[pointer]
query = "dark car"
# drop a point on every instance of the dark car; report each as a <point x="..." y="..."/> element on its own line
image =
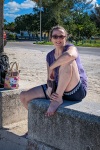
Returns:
<point x="5" y="38"/>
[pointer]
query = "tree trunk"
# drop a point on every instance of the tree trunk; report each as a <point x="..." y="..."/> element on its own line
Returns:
<point x="1" y="26"/>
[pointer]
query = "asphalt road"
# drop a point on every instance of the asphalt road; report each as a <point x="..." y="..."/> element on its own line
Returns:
<point x="30" y="46"/>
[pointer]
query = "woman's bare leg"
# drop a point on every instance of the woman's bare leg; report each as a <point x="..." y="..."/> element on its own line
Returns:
<point x="68" y="79"/>
<point x="27" y="96"/>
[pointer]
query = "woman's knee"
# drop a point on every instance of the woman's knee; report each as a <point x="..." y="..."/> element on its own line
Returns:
<point x="66" y="68"/>
<point x="22" y="96"/>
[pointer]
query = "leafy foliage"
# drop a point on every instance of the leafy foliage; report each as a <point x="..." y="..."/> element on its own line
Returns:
<point x="72" y="14"/>
<point x="95" y="17"/>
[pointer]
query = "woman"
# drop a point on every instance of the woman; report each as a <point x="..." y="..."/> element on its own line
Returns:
<point x="66" y="76"/>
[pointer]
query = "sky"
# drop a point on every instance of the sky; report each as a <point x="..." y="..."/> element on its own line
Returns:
<point x="15" y="8"/>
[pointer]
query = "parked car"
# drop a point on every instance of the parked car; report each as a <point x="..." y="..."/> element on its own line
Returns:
<point x="5" y="38"/>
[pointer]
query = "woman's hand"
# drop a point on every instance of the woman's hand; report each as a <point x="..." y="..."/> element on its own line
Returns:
<point x="49" y="91"/>
<point x="51" y="87"/>
<point x="56" y="97"/>
<point x="51" y="75"/>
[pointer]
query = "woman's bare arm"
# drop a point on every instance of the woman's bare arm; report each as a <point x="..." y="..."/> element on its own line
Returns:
<point x="66" y="57"/>
<point x="50" y="82"/>
<point x="50" y="76"/>
<point x="47" y="71"/>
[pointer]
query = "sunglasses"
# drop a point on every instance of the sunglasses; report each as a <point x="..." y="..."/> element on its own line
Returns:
<point x="60" y="36"/>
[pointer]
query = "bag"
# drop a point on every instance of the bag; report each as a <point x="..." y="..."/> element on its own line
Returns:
<point x="12" y="77"/>
<point x="4" y="65"/>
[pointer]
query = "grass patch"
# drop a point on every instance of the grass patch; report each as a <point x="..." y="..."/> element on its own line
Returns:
<point x="43" y="43"/>
<point x="88" y="43"/>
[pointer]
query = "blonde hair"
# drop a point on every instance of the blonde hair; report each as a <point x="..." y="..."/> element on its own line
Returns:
<point x="57" y="28"/>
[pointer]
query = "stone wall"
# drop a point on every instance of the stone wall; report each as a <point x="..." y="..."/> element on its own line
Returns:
<point x="11" y="109"/>
<point x="75" y="126"/>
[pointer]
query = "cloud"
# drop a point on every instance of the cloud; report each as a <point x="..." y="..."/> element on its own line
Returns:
<point x="12" y="15"/>
<point x="27" y="4"/>
<point x="93" y="2"/>
<point x="13" y="7"/>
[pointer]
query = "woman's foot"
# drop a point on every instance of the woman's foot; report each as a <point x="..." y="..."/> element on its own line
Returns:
<point x="56" y="101"/>
<point x="52" y="108"/>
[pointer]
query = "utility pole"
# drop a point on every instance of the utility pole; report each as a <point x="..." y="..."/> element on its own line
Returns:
<point x="40" y="7"/>
<point x="40" y="18"/>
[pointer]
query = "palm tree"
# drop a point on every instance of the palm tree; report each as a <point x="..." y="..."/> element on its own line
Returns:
<point x="1" y="26"/>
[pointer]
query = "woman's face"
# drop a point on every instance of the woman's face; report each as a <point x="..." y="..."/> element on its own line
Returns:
<point x="58" y="38"/>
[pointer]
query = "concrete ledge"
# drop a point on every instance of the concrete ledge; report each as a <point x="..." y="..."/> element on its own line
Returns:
<point x="75" y="126"/>
<point x="11" y="109"/>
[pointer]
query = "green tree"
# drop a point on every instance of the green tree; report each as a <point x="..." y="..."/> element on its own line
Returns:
<point x="87" y="29"/>
<point x="95" y="17"/>
<point x="82" y="26"/>
<point x="79" y="23"/>
<point x="9" y="26"/>
<point x="53" y="12"/>
<point x="70" y="13"/>
<point x="26" y="22"/>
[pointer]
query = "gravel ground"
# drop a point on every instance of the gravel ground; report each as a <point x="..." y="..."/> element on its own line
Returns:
<point x="33" y="70"/>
